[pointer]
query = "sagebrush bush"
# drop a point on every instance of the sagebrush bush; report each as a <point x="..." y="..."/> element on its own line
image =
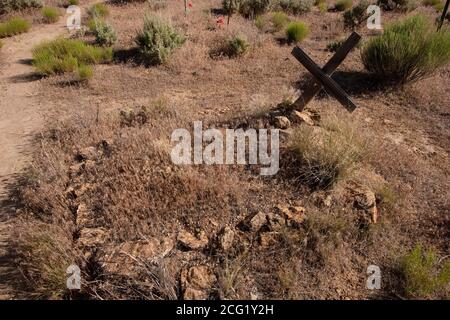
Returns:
<point x="279" y="20"/>
<point x="296" y="6"/>
<point x="329" y="153"/>
<point x="253" y="8"/>
<point x="98" y="10"/>
<point x="407" y="50"/>
<point x="13" y="27"/>
<point x="423" y="275"/>
<point x="403" y="5"/>
<point x="105" y="34"/>
<point x="296" y="31"/>
<point x="158" y="39"/>
<point x="238" y="46"/>
<point x="7" y="6"/>
<point x="342" y="5"/>
<point x="356" y="15"/>
<point x="50" y="14"/>
<point x="66" y="55"/>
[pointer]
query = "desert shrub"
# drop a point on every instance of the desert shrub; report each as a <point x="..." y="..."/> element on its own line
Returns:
<point x="13" y="27"/>
<point x="321" y="5"/>
<point x="85" y="73"/>
<point x="407" y="50"/>
<point x="342" y="5"/>
<point x="7" y="6"/>
<point x="296" y="6"/>
<point x="403" y="5"/>
<point x="238" y="46"/>
<point x="158" y="39"/>
<point x="73" y="2"/>
<point x="105" y="34"/>
<point x="253" y="8"/>
<point x="98" y="10"/>
<point x="279" y="20"/>
<point x="356" y="15"/>
<point x="296" y="31"/>
<point x="431" y="2"/>
<point x="424" y="276"/>
<point x="50" y="14"/>
<point x="439" y="6"/>
<point x="261" y="22"/>
<point x="66" y="55"/>
<point x="329" y="153"/>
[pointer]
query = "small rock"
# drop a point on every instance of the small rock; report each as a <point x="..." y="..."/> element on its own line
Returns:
<point x="226" y="239"/>
<point x="301" y="117"/>
<point x="294" y="215"/>
<point x="365" y="199"/>
<point x="191" y="242"/>
<point x="196" y="282"/>
<point x="282" y="122"/>
<point x="257" y="221"/>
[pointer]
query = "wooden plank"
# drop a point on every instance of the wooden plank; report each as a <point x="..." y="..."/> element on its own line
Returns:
<point x="314" y="86"/>
<point x="324" y="79"/>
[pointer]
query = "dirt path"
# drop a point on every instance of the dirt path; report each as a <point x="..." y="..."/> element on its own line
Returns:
<point x="20" y="117"/>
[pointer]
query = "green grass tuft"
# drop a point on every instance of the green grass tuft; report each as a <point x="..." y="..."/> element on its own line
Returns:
<point x="50" y="14"/>
<point x="296" y="31"/>
<point x="13" y="27"/>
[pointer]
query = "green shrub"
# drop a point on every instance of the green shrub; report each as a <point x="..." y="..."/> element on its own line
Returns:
<point x="296" y="31"/>
<point x="253" y="8"/>
<point x="431" y="2"/>
<point x="407" y="50"/>
<point x="279" y="20"/>
<point x="238" y="46"/>
<point x="423" y="275"/>
<point x="261" y="23"/>
<point x="322" y="6"/>
<point x="50" y="14"/>
<point x="296" y="6"/>
<point x="66" y="55"/>
<point x="157" y="40"/>
<point x="105" y="34"/>
<point x="230" y="7"/>
<point x="13" y="27"/>
<point x="98" y="10"/>
<point x="439" y="6"/>
<point x="342" y="5"/>
<point x="403" y="5"/>
<point x="73" y="2"/>
<point x="85" y="73"/>
<point x="356" y="15"/>
<point x="7" y="6"/>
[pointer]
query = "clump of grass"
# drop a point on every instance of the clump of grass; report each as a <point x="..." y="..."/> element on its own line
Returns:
<point x="407" y="50"/>
<point x="50" y="14"/>
<point x="342" y="5"/>
<point x="13" y="27"/>
<point x="329" y="153"/>
<point x="402" y="5"/>
<point x="98" y="10"/>
<point x="296" y="31"/>
<point x="73" y="2"/>
<point x="85" y="73"/>
<point x="296" y="6"/>
<point x="66" y="55"/>
<point x="253" y="8"/>
<point x="321" y="5"/>
<point x="424" y="275"/>
<point x="1" y="44"/>
<point x="279" y="20"/>
<point x="158" y="39"/>
<point x="238" y="46"/>
<point x="157" y="4"/>
<point x="261" y="23"/>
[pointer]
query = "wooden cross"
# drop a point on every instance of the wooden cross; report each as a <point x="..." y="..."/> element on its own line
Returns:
<point x="322" y="77"/>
